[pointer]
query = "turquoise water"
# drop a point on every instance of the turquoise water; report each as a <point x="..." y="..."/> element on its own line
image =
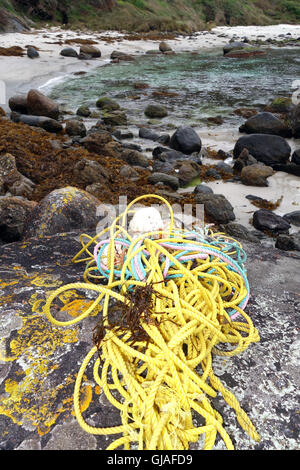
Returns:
<point x="207" y="84"/>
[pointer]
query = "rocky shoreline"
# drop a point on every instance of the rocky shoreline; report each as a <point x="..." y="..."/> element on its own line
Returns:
<point x="56" y="169"/>
<point x="92" y="157"/>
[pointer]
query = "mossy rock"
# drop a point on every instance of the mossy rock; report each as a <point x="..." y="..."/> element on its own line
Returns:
<point x="83" y="111"/>
<point x="115" y="118"/>
<point x="107" y="103"/>
<point x="282" y="104"/>
<point x="156" y="111"/>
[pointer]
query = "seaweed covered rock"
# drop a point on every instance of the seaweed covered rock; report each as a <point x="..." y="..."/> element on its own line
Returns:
<point x="63" y="210"/>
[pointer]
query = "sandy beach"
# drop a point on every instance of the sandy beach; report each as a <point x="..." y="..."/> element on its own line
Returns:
<point x="21" y="74"/>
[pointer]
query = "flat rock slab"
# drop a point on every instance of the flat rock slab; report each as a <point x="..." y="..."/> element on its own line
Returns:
<point x="39" y="362"/>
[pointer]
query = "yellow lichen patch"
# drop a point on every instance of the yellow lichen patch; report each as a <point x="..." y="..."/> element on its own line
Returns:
<point x="6" y="284"/>
<point x="86" y="397"/>
<point x="33" y="397"/>
<point x="78" y="306"/>
<point x="46" y="280"/>
<point x="5" y="300"/>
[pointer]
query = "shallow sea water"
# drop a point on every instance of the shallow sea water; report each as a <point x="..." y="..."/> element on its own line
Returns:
<point x="206" y="84"/>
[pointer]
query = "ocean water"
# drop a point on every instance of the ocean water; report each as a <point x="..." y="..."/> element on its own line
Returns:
<point x="205" y="85"/>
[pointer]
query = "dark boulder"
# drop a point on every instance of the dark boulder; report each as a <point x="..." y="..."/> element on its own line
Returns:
<point x="216" y="207"/>
<point x="293" y="218"/>
<point x="46" y="123"/>
<point x="265" y="148"/>
<point x="296" y="157"/>
<point x="32" y="53"/>
<point x="168" y="180"/>
<point x="287" y="242"/>
<point x="290" y="168"/>
<point x="294" y="118"/>
<point x="18" y="103"/>
<point x="146" y="133"/>
<point x="266" y="220"/>
<point x="203" y="189"/>
<point x="69" y="52"/>
<point x="266" y="123"/>
<point x="185" y="140"/>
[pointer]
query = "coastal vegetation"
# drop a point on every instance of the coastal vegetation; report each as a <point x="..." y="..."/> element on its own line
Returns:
<point x="140" y="15"/>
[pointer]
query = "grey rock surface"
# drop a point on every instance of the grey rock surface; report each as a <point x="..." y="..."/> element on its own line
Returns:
<point x="39" y="362"/>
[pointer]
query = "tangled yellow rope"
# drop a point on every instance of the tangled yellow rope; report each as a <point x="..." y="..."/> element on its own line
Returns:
<point x="160" y="384"/>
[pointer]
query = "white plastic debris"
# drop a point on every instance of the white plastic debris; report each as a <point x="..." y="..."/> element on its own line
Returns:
<point x="147" y="219"/>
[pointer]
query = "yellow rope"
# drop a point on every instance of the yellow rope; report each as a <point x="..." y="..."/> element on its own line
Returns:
<point x="158" y="385"/>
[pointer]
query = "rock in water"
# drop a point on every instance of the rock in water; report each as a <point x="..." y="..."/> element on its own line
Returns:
<point x="266" y="123"/>
<point x="107" y="104"/>
<point x="83" y="111"/>
<point x="265" y="148"/>
<point x="40" y="105"/>
<point x="266" y="220"/>
<point x="156" y="111"/>
<point x="233" y="46"/>
<point x="149" y="134"/>
<point x="61" y="211"/>
<point x="186" y="140"/>
<point x="32" y="53"/>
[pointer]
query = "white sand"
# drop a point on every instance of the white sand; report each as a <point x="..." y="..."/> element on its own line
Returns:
<point x="21" y="73"/>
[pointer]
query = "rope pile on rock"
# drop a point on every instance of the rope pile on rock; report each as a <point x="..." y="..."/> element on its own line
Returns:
<point x="180" y="297"/>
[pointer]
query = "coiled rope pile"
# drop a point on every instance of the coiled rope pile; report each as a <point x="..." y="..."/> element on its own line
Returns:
<point x="156" y="365"/>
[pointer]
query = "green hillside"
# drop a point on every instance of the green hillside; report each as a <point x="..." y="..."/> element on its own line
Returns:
<point x="147" y="15"/>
